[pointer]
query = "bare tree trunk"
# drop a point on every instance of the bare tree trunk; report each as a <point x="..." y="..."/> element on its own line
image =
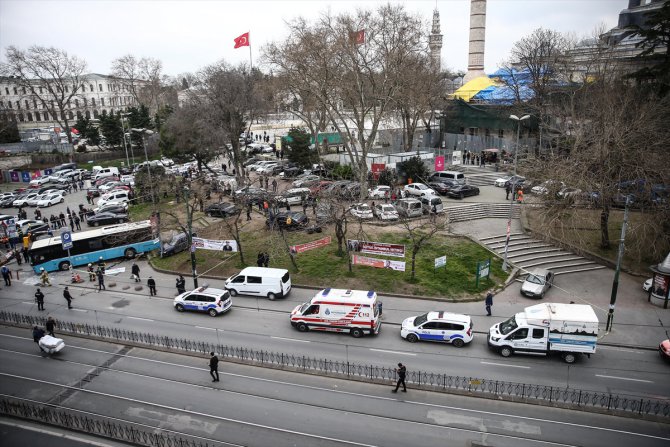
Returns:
<point x="415" y="251"/>
<point x="604" y="228"/>
<point x="288" y="249"/>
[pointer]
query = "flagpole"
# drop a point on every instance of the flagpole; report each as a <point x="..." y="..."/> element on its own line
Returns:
<point x="251" y="64"/>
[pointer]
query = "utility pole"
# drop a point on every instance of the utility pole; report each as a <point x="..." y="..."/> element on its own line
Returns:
<point x="189" y="224"/>
<point x="615" y="283"/>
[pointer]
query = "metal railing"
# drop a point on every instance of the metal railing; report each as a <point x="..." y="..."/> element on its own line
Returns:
<point x="99" y="425"/>
<point x="573" y="398"/>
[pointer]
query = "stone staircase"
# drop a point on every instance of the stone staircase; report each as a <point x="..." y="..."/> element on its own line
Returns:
<point x="526" y="253"/>
<point x="462" y="213"/>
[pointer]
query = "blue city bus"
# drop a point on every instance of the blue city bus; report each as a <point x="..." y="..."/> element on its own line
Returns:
<point x="109" y="242"/>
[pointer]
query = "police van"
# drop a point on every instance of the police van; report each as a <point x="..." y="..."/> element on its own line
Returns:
<point x="204" y="299"/>
<point x="337" y="310"/>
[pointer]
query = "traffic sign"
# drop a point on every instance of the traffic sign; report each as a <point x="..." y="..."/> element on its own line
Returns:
<point x="66" y="239"/>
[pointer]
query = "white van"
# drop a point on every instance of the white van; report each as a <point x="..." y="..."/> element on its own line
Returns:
<point x="114" y="197"/>
<point x="454" y="176"/>
<point x="431" y="202"/>
<point x="409" y="208"/>
<point x="260" y="281"/>
<point x="337" y="310"/>
<point x="293" y="196"/>
<point x="106" y="172"/>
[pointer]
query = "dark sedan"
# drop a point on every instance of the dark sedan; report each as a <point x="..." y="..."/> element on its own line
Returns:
<point x="460" y="191"/>
<point x="106" y="219"/>
<point x="222" y="209"/>
<point x="292" y="172"/>
<point x="442" y="188"/>
<point x="288" y="220"/>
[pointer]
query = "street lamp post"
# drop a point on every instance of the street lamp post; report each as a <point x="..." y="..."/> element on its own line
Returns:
<point x="518" y="120"/>
<point x="145" y="132"/>
<point x="189" y="223"/>
<point x="126" y="143"/>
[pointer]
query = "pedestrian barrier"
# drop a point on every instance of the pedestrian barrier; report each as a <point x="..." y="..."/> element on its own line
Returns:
<point x="99" y="425"/>
<point x="572" y="398"/>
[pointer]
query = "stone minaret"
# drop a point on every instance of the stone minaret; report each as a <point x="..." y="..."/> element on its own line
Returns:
<point x="435" y="41"/>
<point x="477" y="37"/>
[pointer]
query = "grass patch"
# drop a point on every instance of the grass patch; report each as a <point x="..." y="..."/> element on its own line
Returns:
<point x="324" y="267"/>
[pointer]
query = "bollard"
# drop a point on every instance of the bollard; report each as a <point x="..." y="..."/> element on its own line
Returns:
<point x="17" y="275"/>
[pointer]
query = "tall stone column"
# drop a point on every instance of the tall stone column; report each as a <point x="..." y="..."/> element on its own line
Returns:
<point x="477" y="40"/>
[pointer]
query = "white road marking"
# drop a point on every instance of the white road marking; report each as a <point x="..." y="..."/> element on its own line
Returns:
<point x="208" y="328"/>
<point x="138" y="318"/>
<point x="312" y="387"/>
<point x="79" y="310"/>
<point x="28" y="302"/>
<point x="503" y="364"/>
<point x="624" y="378"/>
<point x="291" y="339"/>
<point x="393" y="352"/>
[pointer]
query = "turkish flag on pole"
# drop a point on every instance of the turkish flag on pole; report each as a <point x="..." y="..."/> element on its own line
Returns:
<point x="242" y="41"/>
<point x="358" y="37"/>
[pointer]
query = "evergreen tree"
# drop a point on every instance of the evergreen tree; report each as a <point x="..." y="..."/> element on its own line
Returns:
<point x="9" y="131"/>
<point x="656" y="36"/>
<point x="298" y="150"/>
<point x="87" y="129"/>
<point x="414" y="169"/>
<point x="110" y="127"/>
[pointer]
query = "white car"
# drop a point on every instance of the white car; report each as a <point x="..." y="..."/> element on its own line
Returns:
<point x="500" y="183"/>
<point x="40" y="181"/>
<point x="23" y="200"/>
<point x="50" y="199"/>
<point x="445" y="327"/>
<point x="379" y="192"/>
<point x="385" y="211"/>
<point x="204" y="299"/>
<point x="267" y="168"/>
<point x="6" y="195"/>
<point x="109" y="186"/>
<point x="128" y="180"/>
<point x="115" y="196"/>
<point x="33" y="200"/>
<point x="546" y="186"/>
<point x="167" y="161"/>
<point x="361" y="210"/>
<point x="308" y="178"/>
<point x="418" y="190"/>
<point x="646" y="286"/>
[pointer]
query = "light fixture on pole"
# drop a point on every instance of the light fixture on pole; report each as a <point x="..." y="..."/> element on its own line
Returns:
<point x="125" y="144"/>
<point x="511" y="203"/>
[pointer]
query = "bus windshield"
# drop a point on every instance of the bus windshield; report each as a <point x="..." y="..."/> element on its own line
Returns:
<point x="110" y="242"/>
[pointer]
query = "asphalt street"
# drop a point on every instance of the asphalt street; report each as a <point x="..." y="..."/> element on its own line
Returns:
<point x="260" y="407"/>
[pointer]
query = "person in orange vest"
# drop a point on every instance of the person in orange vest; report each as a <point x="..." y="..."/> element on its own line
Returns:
<point x="519" y="196"/>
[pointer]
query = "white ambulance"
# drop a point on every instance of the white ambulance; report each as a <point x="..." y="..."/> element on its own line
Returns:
<point x="337" y="310"/>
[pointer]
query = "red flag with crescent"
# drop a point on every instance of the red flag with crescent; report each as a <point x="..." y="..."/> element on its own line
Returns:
<point x="358" y="37"/>
<point x="242" y="41"/>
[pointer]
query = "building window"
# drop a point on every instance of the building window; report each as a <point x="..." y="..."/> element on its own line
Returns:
<point x="35" y="103"/>
<point x="41" y="90"/>
<point x="88" y="114"/>
<point x="92" y="102"/>
<point x="27" y="106"/>
<point x="18" y="105"/>
<point x="7" y="90"/>
<point x="37" y="116"/>
<point x="85" y="103"/>
<point x="501" y="133"/>
<point x="95" y="113"/>
<point x="70" y="115"/>
<point x="16" y="92"/>
<point x="21" y="117"/>
<point x="91" y="87"/>
<point x="30" y="116"/>
<point x="24" y="90"/>
<point x="9" y="103"/>
<point x="102" y="101"/>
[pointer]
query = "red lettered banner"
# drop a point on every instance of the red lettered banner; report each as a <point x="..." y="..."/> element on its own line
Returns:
<point x="376" y="248"/>
<point x="311" y="245"/>
<point x="378" y="263"/>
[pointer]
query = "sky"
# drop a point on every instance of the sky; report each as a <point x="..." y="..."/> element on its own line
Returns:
<point x="188" y="35"/>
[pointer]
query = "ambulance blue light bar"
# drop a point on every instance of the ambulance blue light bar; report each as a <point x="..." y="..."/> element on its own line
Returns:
<point x="371" y="293"/>
<point x="326" y="292"/>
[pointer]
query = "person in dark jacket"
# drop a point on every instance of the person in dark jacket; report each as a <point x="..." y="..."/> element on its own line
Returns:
<point x="135" y="270"/>
<point x="38" y="333"/>
<point x="50" y="324"/>
<point x="214" y="367"/>
<point x="401" y="370"/>
<point x="39" y="298"/>
<point x="68" y="297"/>
<point x="488" y="303"/>
<point x="181" y="285"/>
<point x="152" y="286"/>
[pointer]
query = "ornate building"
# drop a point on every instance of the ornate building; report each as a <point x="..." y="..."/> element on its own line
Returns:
<point x="435" y="41"/>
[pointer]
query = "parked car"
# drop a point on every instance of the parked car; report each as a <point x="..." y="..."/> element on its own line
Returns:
<point x="7" y="201"/>
<point x="23" y="200"/>
<point x="500" y="182"/>
<point x="177" y="243"/>
<point x="537" y="283"/>
<point x="113" y="207"/>
<point x="445" y="327"/>
<point x="515" y="179"/>
<point x="461" y="191"/>
<point x="361" y="211"/>
<point x="664" y="349"/>
<point x="106" y="219"/>
<point x="288" y="220"/>
<point x="33" y="200"/>
<point x="50" y="199"/>
<point x="289" y="173"/>
<point x="379" y="192"/>
<point x="547" y="186"/>
<point x="222" y="209"/>
<point x="442" y="188"/>
<point x="385" y="212"/>
<point x="204" y="299"/>
<point x="40" y="181"/>
<point x="418" y="190"/>
<point x="298" y="183"/>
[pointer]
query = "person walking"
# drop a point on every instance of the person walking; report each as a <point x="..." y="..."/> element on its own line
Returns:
<point x="214" y="367"/>
<point x="39" y="299"/>
<point x="274" y="185"/>
<point x="6" y="275"/>
<point x="489" y="303"/>
<point x="508" y="189"/>
<point x="68" y="297"/>
<point x="152" y="286"/>
<point x="181" y="285"/>
<point x="101" y="280"/>
<point x="77" y="222"/>
<point x="26" y="257"/>
<point x="50" y="324"/>
<point x="135" y="270"/>
<point x="248" y="211"/>
<point x="44" y="277"/>
<point x="401" y="370"/>
<point x="38" y="333"/>
<point x="259" y="259"/>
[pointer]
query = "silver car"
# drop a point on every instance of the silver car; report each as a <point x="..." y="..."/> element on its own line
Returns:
<point x="537" y="283"/>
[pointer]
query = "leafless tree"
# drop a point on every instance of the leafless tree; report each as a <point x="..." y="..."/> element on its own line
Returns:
<point x="356" y="85"/>
<point x="143" y="78"/>
<point x="49" y="77"/>
<point x="420" y="231"/>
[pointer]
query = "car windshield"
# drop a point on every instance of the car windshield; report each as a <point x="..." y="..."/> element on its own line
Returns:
<point x="508" y="326"/>
<point x="535" y="279"/>
<point x="420" y="186"/>
<point x="418" y="321"/>
<point x="387" y="208"/>
<point x="304" y="307"/>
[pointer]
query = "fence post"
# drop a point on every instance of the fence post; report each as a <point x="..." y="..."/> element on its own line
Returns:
<point x="551" y="393"/>
<point x="641" y="402"/>
<point x="348" y="372"/>
<point x="609" y="401"/>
